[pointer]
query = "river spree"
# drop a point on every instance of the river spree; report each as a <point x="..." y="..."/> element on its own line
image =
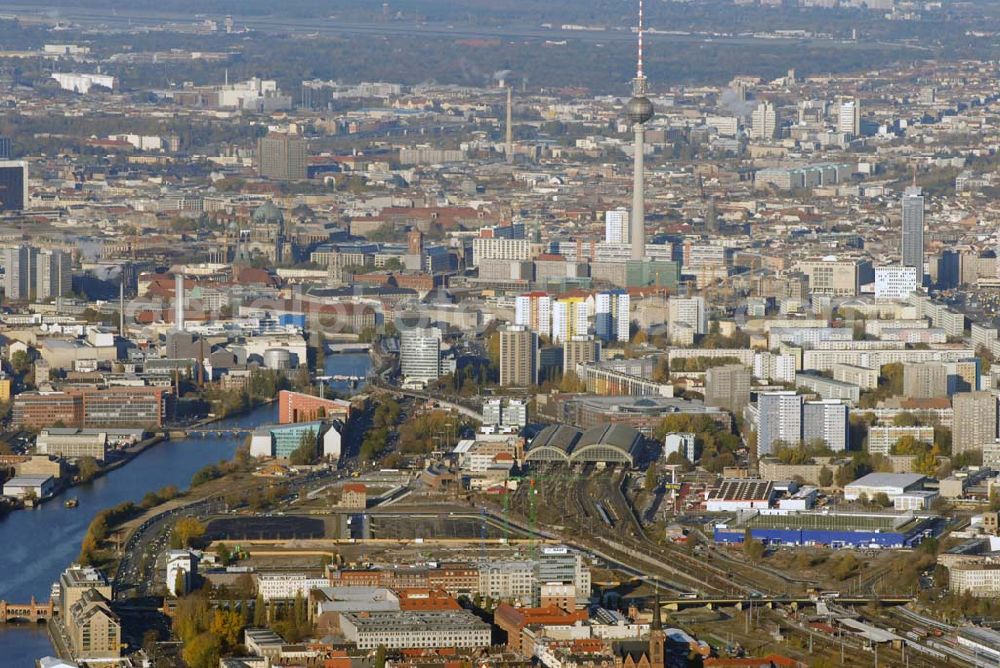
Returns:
<point x="39" y="544"/>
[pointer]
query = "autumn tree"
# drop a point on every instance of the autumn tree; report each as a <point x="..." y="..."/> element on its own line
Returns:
<point x="187" y="531"/>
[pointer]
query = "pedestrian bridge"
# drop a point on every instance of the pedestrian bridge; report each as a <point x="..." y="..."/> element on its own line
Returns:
<point x="794" y="602"/>
<point x="26" y="612"/>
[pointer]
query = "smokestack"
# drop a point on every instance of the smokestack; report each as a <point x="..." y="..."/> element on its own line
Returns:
<point x="179" y="302"/>
<point x="510" y="126"/>
<point x="121" y="304"/>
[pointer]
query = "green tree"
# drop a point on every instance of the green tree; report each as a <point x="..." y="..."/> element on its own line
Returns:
<point x="825" y="477"/>
<point x="305" y="453"/>
<point x="651" y="479"/>
<point x="20" y="362"/>
<point x="88" y="468"/>
<point x="260" y="612"/>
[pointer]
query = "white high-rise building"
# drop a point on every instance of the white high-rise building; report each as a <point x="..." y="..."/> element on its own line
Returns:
<point x="420" y="354"/>
<point x="763" y="121"/>
<point x="779" y="418"/>
<point x="689" y="312"/>
<point x="616" y="226"/>
<point x="849" y="117"/>
<point x="611" y="315"/>
<point x="534" y="311"/>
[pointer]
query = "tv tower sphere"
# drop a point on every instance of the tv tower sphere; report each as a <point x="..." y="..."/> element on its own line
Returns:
<point x="639" y="110"/>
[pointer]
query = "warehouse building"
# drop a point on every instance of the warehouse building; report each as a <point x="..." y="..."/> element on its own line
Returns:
<point x="835" y="530"/>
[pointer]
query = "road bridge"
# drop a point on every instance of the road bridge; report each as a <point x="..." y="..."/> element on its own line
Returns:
<point x="26" y="612"/>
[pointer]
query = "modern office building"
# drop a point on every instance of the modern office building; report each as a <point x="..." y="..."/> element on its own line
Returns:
<point x="763" y="121"/>
<point x="281" y="157"/>
<point x="849" y="117"/>
<point x="779" y="418"/>
<point x="111" y="407"/>
<point x="518" y="356"/>
<point x="612" y="320"/>
<point x="975" y="421"/>
<point x="6" y="148"/>
<point x="912" y="250"/>
<point x="827" y="421"/>
<point x="728" y="387"/>
<point x="420" y="354"/>
<point x="13" y="185"/>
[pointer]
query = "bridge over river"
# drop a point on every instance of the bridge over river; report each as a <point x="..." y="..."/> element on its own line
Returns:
<point x="26" y="612"/>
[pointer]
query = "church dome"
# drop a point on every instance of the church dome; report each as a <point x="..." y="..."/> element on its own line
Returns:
<point x="268" y="214"/>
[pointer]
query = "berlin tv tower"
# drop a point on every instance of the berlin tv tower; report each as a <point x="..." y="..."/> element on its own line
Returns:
<point x="639" y="111"/>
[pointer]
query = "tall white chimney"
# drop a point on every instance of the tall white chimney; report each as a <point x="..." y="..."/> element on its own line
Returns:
<point x="179" y="301"/>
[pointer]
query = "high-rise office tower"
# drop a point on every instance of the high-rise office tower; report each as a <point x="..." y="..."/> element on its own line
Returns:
<point x="281" y="157"/>
<point x="611" y="315"/>
<point x="54" y="276"/>
<point x="728" y="387"/>
<point x="518" y="356"/>
<point x="19" y="263"/>
<point x="616" y="226"/>
<point x="6" y="148"/>
<point x="779" y="418"/>
<point x="13" y="185"/>
<point x="974" y="422"/>
<point x="763" y="121"/>
<point x="420" y="354"/>
<point x="826" y="421"/>
<point x="639" y="111"/>
<point x="913" y="230"/>
<point x="849" y="117"/>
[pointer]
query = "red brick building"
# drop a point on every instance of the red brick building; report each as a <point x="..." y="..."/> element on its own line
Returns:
<point x="514" y="620"/>
<point x="298" y="407"/>
<point x="149" y="407"/>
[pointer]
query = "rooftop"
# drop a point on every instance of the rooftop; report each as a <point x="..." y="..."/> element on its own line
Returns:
<point x="415" y="621"/>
